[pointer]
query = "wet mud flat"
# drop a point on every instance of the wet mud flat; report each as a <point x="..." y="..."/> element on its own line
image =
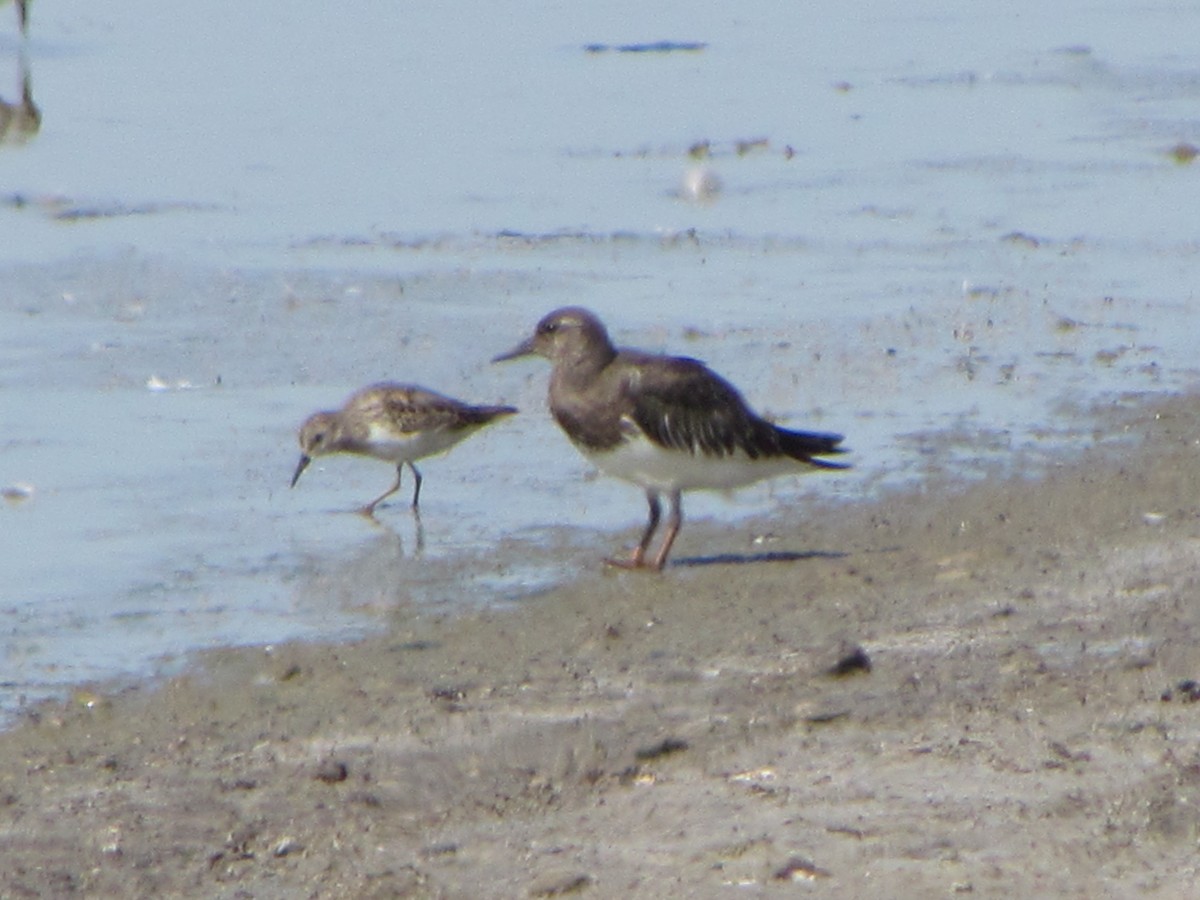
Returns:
<point x="984" y="689"/>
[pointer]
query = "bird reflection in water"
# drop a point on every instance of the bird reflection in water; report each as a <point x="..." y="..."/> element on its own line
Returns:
<point x="22" y="16"/>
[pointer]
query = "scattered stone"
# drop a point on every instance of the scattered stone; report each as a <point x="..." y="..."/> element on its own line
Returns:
<point x="854" y="661"/>
<point x="1066" y="323"/>
<point x="800" y="869"/>
<point x="18" y="492"/>
<point x="665" y="747"/>
<point x="827" y="717"/>
<point x="750" y="144"/>
<point x="332" y="771"/>
<point x="635" y="775"/>
<point x="1064" y="753"/>
<point x="1022" y="239"/>
<point x="559" y="883"/>
<point x="449" y="699"/>
<point x="1189" y="692"/>
<point x="286" y="846"/>
<point x="1183" y="153"/>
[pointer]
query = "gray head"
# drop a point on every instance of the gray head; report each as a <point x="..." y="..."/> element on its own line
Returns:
<point x="571" y="335"/>
<point x="320" y="434"/>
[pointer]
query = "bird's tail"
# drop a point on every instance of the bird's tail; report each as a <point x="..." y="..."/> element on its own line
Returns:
<point x="485" y="414"/>
<point x="806" y="446"/>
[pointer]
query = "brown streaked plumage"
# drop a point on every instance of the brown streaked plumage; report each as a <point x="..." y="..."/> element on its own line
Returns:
<point x="398" y="423"/>
<point x="666" y="423"/>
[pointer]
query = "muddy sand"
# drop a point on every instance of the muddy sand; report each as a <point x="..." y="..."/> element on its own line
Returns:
<point x="977" y="689"/>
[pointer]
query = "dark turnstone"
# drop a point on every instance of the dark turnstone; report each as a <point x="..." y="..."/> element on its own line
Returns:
<point x="398" y="423"/>
<point x="666" y="423"/>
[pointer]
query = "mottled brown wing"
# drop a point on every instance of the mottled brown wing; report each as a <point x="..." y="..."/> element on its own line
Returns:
<point x="421" y="413"/>
<point x="418" y="409"/>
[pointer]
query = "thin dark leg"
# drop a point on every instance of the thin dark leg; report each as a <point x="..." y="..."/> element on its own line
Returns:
<point x="639" y="554"/>
<point x="417" y="489"/>
<point x="369" y="509"/>
<point x="674" y="521"/>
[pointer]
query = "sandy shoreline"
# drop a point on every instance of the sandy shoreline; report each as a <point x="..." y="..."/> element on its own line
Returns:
<point x="1021" y="730"/>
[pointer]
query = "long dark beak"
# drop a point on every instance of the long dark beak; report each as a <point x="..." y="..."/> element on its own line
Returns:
<point x="304" y="461"/>
<point x="525" y="348"/>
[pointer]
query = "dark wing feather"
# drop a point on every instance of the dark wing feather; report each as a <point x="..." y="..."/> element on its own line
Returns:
<point x="682" y="404"/>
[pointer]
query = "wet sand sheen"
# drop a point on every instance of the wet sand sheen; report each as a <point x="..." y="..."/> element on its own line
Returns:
<point x="294" y="238"/>
<point x="1024" y="728"/>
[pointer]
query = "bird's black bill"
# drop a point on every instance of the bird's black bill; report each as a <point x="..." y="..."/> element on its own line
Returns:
<point x="525" y="348"/>
<point x="304" y="461"/>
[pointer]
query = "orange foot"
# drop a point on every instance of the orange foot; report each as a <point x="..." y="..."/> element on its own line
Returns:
<point x="633" y="563"/>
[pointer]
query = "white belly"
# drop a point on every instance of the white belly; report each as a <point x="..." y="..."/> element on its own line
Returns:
<point x="398" y="446"/>
<point x="651" y="466"/>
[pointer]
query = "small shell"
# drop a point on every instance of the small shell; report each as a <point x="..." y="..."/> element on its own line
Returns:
<point x="17" y="492"/>
<point x="700" y="185"/>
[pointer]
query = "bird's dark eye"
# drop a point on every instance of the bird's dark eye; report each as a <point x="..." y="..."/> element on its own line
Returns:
<point x="549" y="327"/>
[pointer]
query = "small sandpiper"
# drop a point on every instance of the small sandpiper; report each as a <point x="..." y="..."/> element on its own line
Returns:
<point x="398" y="423"/>
<point x="667" y="423"/>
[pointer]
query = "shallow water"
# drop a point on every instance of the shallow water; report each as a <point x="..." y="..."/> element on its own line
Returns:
<point x="939" y="231"/>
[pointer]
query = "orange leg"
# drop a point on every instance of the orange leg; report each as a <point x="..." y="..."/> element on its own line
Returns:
<point x="637" y="559"/>
<point x="369" y="509"/>
<point x="674" y="522"/>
